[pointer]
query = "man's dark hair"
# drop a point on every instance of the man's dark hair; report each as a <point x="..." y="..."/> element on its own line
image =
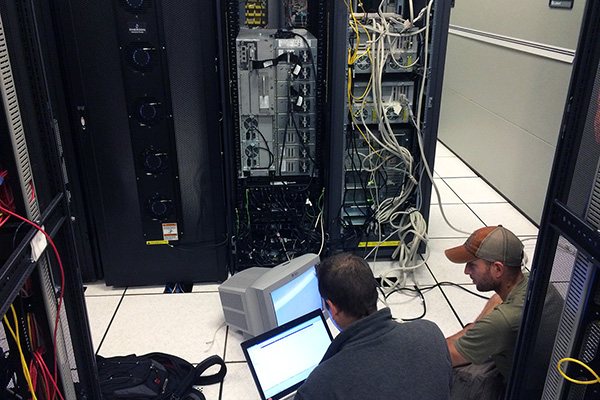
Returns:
<point x="348" y="282"/>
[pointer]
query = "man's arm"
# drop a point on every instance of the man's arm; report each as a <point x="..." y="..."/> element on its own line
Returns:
<point x="457" y="358"/>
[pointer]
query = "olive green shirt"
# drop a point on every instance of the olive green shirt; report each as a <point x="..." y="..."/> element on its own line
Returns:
<point x="494" y="336"/>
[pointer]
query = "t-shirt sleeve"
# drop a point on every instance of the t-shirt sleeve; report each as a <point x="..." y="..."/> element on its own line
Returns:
<point x="488" y="336"/>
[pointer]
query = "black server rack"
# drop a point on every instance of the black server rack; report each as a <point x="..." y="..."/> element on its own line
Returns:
<point x="144" y="103"/>
<point x="388" y="67"/>
<point x="275" y="62"/>
<point x="297" y="125"/>
<point x="560" y="334"/>
<point x="41" y="295"/>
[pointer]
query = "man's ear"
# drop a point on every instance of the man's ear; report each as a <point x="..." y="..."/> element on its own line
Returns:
<point x="333" y="310"/>
<point x="498" y="269"/>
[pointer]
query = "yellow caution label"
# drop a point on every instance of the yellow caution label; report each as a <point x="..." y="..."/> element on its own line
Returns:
<point x="374" y="244"/>
<point x="153" y="242"/>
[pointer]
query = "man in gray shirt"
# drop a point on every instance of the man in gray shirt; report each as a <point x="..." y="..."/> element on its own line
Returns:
<point x="493" y="257"/>
<point x="374" y="357"/>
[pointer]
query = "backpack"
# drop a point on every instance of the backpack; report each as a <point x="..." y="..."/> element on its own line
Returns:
<point x="155" y="376"/>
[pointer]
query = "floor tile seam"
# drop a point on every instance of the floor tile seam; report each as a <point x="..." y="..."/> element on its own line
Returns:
<point x="445" y="297"/>
<point x="483" y="202"/>
<point x="466" y="203"/>
<point x="494" y="189"/>
<point x="110" y="322"/>
<point x="456" y="312"/>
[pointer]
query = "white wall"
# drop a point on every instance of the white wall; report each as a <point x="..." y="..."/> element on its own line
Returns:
<point x="507" y="74"/>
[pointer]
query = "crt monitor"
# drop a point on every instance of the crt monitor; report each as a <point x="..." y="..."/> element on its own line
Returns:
<point x="258" y="299"/>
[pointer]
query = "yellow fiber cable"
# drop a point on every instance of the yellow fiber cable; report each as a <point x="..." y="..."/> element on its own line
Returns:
<point x="23" y="362"/>
<point x="584" y="365"/>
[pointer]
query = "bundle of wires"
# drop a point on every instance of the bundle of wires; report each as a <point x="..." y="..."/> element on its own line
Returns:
<point x="384" y="32"/>
<point x="48" y="381"/>
<point x="6" y="196"/>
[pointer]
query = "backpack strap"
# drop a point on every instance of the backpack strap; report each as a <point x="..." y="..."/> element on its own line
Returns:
<point x="206" y="364"/>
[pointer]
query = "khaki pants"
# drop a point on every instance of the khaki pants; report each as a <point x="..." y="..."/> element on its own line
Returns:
<point x="477" y="382"/>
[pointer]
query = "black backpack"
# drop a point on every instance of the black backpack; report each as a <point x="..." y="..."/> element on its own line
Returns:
<point x="155" y="376"/>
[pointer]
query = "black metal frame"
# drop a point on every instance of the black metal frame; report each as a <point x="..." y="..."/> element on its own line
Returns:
<point x="39" y="92"/>
<point x="338" y="109"/>
<point x="558" y="219"/>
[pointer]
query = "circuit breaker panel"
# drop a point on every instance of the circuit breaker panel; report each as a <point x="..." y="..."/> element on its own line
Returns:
<point x="276" y="58"/>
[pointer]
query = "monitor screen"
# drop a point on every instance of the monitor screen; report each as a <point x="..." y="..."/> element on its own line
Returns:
<point x="282" y="358"/>
<point x="296" y="297"/>
<point x="258" y="299"/>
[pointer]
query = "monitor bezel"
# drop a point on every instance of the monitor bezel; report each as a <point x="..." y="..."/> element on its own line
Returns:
<point x="273" y="332"/>
<point x="276" y="278"/>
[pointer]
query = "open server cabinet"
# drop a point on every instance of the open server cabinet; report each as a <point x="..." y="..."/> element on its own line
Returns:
<point x="41" y="295"/>
<point x="331" y="119"/>
<point x="566" y="265"/>
<point x="215" y="137"/>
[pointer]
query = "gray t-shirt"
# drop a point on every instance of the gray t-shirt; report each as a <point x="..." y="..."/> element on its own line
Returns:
<point x="494" y="336"/>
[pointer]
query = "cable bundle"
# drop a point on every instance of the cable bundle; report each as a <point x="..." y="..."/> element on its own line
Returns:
<point x="6" y="197"/>
<point x="389" y="36"/>
<point x="49" y="388"/>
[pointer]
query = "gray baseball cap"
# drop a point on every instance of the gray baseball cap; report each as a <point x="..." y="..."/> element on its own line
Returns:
<point x="492" y="243"/>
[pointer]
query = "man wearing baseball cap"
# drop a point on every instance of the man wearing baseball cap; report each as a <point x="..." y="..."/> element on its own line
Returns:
<point x="493" y="257"/>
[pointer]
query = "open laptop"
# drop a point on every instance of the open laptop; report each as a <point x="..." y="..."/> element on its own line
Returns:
<point x="281" y="359"/>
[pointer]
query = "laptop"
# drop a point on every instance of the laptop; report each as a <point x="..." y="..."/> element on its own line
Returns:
<point x="281" y="359"/>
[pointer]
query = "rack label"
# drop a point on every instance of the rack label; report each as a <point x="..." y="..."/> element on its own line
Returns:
<point x="374" y="244"/>
<point x="170" y="231"/>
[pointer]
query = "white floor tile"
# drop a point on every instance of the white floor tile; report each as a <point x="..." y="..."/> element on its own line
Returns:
<point x="442" y="151"/>
<point x="446" y="194"/>
<point x="507" y="216"/>
<point x="238" y="383"/>
<point x="443" y="269"/>
<point x="205" y="287"/>
<point x="459" y="215"/>
<point x="474" y="190"/>
<point x="100" y="310"/>
<point x="452" y="167"/>
<point x="467" y="306"/>
<point x="182" y="324"/>
<point x="211" y="391"/>
<point x="410" y="306"/>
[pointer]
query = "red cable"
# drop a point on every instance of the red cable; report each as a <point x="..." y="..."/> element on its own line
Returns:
<point x="62" y="276"/>
<point x="45" y="367"/>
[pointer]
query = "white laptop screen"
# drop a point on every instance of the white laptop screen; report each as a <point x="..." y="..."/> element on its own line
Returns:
<point x="282" y="358"/>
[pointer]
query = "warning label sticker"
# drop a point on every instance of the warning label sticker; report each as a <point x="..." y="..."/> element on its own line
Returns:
<point x="170" y="231"/>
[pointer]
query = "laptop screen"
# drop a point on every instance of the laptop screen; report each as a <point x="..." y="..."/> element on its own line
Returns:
<point x="281" y="359"/>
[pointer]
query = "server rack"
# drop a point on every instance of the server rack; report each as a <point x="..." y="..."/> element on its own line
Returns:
<point x="143" y="99"/>
<point x="36" y="291"/>
<point x="385" y="125"/>
<point x="565" y="269"/>
<point x="297" y="182"/>
<point x="275" y="62"/>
